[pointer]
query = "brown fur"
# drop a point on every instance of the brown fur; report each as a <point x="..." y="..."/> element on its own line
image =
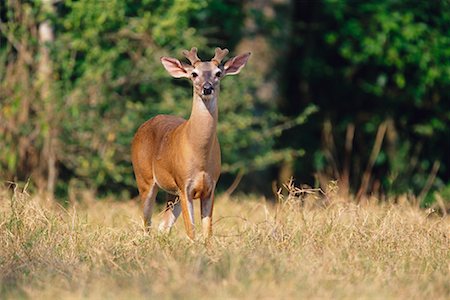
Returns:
<point x="183" y="156"/>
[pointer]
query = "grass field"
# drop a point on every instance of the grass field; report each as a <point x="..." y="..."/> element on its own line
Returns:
<point x="294" y="249"/>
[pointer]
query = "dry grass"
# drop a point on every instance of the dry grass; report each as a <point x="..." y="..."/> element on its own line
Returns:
<point x="98" y="250"/>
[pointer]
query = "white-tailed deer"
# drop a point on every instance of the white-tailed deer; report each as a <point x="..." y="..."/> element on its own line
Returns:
<point x="181" y="156"/>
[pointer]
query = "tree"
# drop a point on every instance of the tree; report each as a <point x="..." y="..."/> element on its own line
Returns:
<point x="369" y="66"/>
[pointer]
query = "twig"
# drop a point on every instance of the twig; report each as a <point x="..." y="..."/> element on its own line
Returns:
<point x="373" y="156"/>
<point x="440" y="202"/>
<point x="330" y="147"/>
<point x="430" y="181"/>
<point x="19" y="47"/>
<point x="169" y="206"/>
<point x="235" y="183"/>
<point x="230" y="217"/>
<point x="345" y="177"/>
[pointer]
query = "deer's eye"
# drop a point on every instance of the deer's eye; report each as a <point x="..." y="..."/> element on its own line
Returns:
<point x="218" y="74"/>
<point x="194" y="74"/>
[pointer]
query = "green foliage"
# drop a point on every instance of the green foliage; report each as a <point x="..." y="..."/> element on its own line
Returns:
<point x="364" y="63"/>
<point x="23" y="125"/>
<point x="109" y="80"/>
<point x="328" y="66"/>
<point x="116" y="79"/>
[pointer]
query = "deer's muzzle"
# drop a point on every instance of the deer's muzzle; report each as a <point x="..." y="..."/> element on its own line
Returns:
<point x="208" y="89"/>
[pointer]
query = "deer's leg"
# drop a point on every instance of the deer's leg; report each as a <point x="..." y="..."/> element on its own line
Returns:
<point x="187" y="208"/>
<point x="173" y="210"/>
<point x="148" y="197"/>
<point x="207" y="205"/>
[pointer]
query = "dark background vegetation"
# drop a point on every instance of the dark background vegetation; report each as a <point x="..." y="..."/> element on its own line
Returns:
<point x="352" y="91"/>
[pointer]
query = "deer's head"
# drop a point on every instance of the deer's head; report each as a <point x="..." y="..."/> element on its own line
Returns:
<point x="205" y="75"/>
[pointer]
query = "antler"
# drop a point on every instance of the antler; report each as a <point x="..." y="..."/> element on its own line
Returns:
<point x="192" y="55"/>
<point x="219" y="55"/>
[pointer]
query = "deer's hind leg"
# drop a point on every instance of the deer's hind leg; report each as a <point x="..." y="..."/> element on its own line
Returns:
<point x="148" y="194"/>
<point x="171" y="213"/>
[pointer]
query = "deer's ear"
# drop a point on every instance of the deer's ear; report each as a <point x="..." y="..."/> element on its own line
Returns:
<point x="176" y="68"/>
<point x="235" y="64"/>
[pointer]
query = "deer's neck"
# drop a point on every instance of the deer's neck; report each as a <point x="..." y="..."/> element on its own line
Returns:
<point x="202" y="124"/>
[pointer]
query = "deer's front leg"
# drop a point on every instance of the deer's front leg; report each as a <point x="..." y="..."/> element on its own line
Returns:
<point x="207" y="205"/>
<point x="187" y="208"/>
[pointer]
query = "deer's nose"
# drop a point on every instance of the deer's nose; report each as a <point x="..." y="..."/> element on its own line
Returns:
<point x="208" y="89"/>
